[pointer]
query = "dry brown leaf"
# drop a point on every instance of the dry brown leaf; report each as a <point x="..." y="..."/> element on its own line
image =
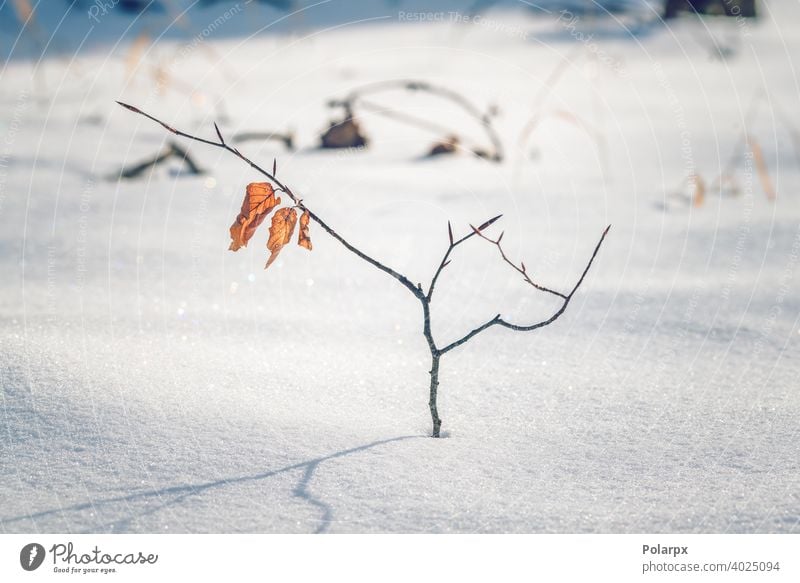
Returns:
<point x="280" y="232"/>
<point x="303" y="238"/>
<point x="259" y="200"/>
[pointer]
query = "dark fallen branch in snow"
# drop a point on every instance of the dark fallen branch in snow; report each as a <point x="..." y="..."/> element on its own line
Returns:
<point x="345" y="133"/>
<point x="355" y="101"/>
<point x="287" y="139"/>
<point x="444" y="147"/>
<point x="171" y="152"/>
<point x="425" y="298"/>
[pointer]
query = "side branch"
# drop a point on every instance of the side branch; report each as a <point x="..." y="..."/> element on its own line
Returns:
<point x="521" y="269"/>
<point x="283" y="188"/>
<point x="499" y="321"/>
<point x="453" y="244"/>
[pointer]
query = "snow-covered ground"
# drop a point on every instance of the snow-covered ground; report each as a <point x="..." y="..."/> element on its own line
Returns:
<point x="153" y="381"/>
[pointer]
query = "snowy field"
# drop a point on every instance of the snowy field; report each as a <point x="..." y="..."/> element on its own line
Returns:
<point x="153" y="381"/>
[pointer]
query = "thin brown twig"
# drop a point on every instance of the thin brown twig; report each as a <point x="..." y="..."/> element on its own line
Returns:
<point x="498" y="320"/>
<point x="521" y="269"/>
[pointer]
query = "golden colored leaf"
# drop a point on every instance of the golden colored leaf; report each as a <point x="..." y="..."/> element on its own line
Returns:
<point x="303" y="238"/>
<point x="280" y="232"/>
<point x="259" y="200"/>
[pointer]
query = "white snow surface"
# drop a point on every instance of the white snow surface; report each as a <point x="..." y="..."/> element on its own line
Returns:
<point x="153" y="381"/>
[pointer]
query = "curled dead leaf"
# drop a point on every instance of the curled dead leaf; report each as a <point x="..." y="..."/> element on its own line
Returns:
<point x="259" y="200"/>
<point x="303" y="238"/>
<point x="280" y="232"/>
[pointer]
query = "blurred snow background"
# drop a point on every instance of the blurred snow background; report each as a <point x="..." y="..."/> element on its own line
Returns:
<point x="153" y="381"/>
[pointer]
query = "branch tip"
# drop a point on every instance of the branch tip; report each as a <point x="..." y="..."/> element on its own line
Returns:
<point x="130" y="107"/>
<point x="487" y="223"/>
<point x="450" y="232"/>
<point x="219" y="134"/>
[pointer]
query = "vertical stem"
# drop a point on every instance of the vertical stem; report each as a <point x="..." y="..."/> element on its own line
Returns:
<point x="437" y="423"/>
<point x="435" y="356"/>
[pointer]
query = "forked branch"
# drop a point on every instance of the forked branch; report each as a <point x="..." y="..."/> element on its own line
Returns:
<point x="453" y="245"/>
<point x="499" y="321"/>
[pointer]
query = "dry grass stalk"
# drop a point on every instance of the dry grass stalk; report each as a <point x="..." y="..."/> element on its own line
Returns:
<point x="761" y="168"/>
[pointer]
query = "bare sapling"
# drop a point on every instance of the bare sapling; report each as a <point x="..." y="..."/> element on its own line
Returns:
<point x="260" y="201"/>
